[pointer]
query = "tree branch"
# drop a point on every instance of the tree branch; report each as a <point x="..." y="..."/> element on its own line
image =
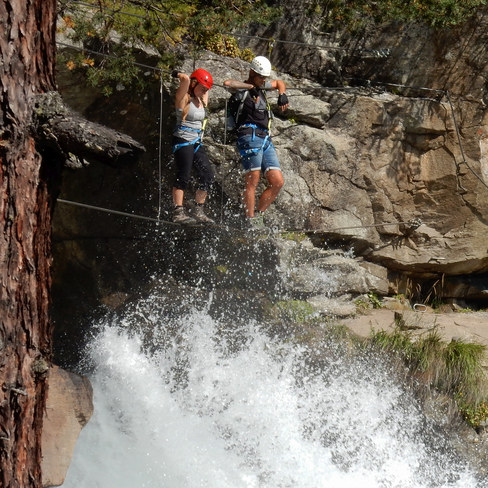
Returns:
<point x="77" y="139"/>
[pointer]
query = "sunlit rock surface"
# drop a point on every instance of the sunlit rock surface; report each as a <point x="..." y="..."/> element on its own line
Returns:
<point x="68" y="409"/>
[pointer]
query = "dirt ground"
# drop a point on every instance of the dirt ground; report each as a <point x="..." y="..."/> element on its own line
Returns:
<point x="466" y="326"/>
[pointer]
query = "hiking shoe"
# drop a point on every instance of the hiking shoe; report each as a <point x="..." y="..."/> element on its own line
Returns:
<point x="199" y="215"/>
<point x="181" y="217"/>
<point x="256" y="222"/>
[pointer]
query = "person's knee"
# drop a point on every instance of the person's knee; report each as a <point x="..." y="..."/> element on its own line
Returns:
<point x="275" y="180"/>
<point x="279" y="183"/>
<point x="206" y="183"/>
<point x="251" y="186"/>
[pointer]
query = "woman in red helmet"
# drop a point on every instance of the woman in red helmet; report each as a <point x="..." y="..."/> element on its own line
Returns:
<point x="191" y="100"/>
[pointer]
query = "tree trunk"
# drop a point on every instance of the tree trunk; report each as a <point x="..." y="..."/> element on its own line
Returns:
<point x="27" y="62"/>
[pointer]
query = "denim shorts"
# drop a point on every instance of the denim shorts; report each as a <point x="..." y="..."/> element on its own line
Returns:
<point x="257" y="154"/>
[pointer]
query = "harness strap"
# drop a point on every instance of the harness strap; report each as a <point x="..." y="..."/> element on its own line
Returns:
<point x="254" y="127"/>
<point x="268" y="108"/>
<point x="189" y="143"/>
<point x="198" y="140"/>
<point x="248" y="152"/>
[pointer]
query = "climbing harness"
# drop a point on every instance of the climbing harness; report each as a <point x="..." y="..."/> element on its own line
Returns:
<point x="255" y="150"/>
<point x="254" y="127"/>
<point x="197" y="141"/>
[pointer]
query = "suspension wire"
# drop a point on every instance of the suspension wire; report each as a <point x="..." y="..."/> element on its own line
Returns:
<point x="108" y="210"/>
<point x="224" y="154"/>
<point x="160" y="146"/>
<point x="370" y="83"/>
<point x="97" y="7"/>
<point x="271" y="41"/>
<point x="135" y="63"/>
<point x="412" y="224"/>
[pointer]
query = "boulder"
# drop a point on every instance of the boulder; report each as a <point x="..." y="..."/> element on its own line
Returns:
<point x="69" y="407"/>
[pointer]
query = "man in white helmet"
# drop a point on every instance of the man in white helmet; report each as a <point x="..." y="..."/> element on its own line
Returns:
<point x="258" y="154"/>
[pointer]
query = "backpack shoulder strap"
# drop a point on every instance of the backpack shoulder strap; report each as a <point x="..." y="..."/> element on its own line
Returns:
<point x="241" y="104"/>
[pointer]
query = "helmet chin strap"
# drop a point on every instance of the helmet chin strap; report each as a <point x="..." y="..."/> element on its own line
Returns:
<point x="191" y="88"/>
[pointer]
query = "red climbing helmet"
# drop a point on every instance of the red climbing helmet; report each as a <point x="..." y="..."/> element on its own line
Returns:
<point x="203" y="77"/>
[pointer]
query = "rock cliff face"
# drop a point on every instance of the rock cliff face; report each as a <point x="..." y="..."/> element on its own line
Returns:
<point x="384" y="153"/>
<point x="410" y="144"/>
<point x="394" y="132"/>
<point x="397" y="178"/>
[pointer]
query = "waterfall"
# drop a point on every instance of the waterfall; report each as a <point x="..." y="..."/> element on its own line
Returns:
<point x="190" y="401"/>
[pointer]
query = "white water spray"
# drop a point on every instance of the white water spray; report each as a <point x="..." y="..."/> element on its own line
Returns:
<point x="192" y="405"/>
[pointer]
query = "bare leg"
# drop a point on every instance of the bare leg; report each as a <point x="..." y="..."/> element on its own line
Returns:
<point x="252" y="180"/>
<point x="178" y="196"/>
<point x="200" y="196"/>
<point x="275" y="183"/>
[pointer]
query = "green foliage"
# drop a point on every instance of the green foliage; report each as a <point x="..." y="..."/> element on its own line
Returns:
<point x="293" y="236"/>
<point x="357" y="14"/>
<point x="371" y="300"/>
<point x="362" y="305"/>
<point x="295" y="311"/>
<point x="473" y="413"/>
<point x="398" y="342"/>
<point x="225" y="45"/>
<point x="375" y="301"/>
<point x="455" y="368"/>
<point x="217" y="16"/>
<point x="463" y="364"/>
<point x="112" y="32"/>
<point x="222" y="269"/>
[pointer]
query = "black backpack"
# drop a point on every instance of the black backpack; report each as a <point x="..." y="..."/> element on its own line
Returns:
<point x="234" y="109"/>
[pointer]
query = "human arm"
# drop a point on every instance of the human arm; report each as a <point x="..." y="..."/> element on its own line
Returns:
<point x="234" y="85"/>
<point x="182" y="91"/>
<point x="282" y="98"/>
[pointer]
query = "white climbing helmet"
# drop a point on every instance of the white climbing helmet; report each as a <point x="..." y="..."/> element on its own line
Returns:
<point x="261" y="66"/>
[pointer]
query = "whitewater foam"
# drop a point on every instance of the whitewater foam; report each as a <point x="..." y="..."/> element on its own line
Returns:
<point x="193" y="403"/>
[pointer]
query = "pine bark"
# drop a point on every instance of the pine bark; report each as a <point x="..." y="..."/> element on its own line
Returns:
<point x="27" y="63"/>
<point x="38" y="134"/>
